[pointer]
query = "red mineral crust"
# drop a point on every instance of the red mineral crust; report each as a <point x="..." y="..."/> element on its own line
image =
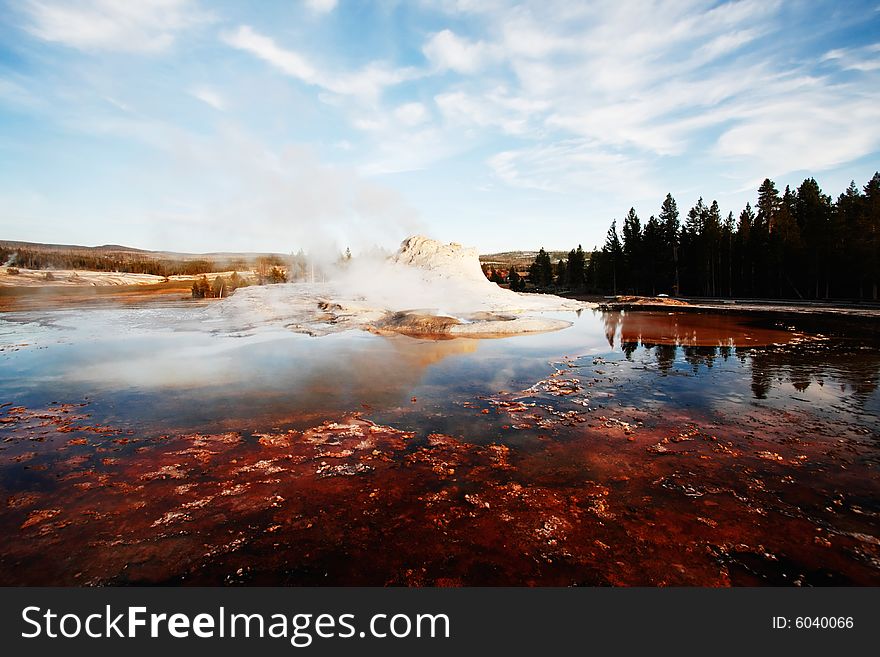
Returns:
<point x="610" y="496"/>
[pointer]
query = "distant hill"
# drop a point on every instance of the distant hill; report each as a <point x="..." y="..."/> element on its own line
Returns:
<point x="118" y="258"/>
<point x="521" y="259"/>
<point x="117" y="249"/>
<point x="38" y="246"/>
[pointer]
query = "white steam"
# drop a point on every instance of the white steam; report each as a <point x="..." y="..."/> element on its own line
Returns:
<point x="424" y="278"/>
<point x="282" y="200"/>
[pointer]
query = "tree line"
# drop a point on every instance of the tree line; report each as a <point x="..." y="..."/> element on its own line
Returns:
<point x="800" y="243"/>
<point x="36" y="259"/>
<point x="222" y="286"/>
<point x="54" y="258"/>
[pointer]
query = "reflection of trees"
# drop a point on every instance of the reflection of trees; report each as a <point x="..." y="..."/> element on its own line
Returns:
<point x="702" y="339"/>
<point x="761" y="380"/>
<point x="665" y="355"/>
<point x="697" y="356"/>
<point x="854" y="369"/>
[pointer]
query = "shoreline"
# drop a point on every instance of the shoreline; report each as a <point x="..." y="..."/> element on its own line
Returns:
<point x="864" y="311"/>
<point x="59" y="294"/>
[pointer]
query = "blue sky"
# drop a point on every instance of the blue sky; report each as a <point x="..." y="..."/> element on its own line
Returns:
<point x="198" y="126"/>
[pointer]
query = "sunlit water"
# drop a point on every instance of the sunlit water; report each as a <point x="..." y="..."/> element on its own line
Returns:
<point x="675" y="448"/>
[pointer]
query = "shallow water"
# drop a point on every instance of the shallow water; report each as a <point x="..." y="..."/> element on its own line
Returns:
<point x="142" y="444"/>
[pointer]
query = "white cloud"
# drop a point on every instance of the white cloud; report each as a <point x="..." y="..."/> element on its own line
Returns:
<point x="209" y="96"/>
<point x="16" y="94"/>
<point x="513" y="115"/>
<point x="863" y="59"/>
<point x="321" y="6"/>
<point x="287" y="61"/>
<point x="725" y="44"/>
<point x="573" y="164"/>
<point x="113" y="25"/>
<point x="411" y="114"/>
<point x="805" y="130"/>
<point x="447" y="51"/>
<point x="367" y="83"/>
<point x="693" y="78"/>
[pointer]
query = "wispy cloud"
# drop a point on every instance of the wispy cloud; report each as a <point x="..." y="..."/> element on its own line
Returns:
<point x="564" y="110"/>
<point x="321" y="6"/>
<point x="411" y="114"/>
<point x="367" y="83"/>
<point x="447" y="51"/>
<point x="209" y="97"/>
<point x="112" y="25"/>
<point x="863" y="59"/>
<point x="287" y="61"/>
<point x="573" y="164"/>
<point x="659" y="79"/>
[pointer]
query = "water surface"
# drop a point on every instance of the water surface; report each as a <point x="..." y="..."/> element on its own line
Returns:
<point x="142" y="444"/>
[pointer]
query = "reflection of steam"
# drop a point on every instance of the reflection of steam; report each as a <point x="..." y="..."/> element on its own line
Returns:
<point x="241" y="377"/>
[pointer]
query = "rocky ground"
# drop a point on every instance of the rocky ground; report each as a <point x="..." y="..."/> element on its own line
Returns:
<point x="596" y="496"/>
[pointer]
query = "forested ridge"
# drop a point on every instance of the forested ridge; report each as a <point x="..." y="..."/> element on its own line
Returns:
<point x="92" y="259"/>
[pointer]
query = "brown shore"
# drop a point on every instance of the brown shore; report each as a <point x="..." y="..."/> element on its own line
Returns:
<point x="28" y="291"/>
<point x="863" y="310"/>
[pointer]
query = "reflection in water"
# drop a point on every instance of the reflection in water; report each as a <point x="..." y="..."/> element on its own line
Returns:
<point x="688" y="329"/>
<point x="774" y="354"/>
<point x="629" y="449"/>
<point x="202" y="381"/>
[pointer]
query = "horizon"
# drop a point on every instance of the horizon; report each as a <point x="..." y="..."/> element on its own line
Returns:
<point x="183" y="126"/>
<point x="232" y="252"/>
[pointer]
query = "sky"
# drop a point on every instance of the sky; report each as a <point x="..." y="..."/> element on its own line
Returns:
<point x="201" y="126"/>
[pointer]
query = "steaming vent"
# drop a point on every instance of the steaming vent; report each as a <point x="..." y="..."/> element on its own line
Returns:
<point x="426" y="289"/>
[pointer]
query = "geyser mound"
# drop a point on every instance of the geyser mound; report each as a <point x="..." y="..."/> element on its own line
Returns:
<point x="426" y="289"/>
<point x="450" y="260"/>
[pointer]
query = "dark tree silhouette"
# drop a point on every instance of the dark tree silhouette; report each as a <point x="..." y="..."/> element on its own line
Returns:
<point x="800" y="244"/>
<point x="541" y="270"/>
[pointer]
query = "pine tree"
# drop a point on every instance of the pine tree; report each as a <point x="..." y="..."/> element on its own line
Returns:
<point x="576" y="269"/>
<point x="517" y="284"/>
<point x="712" y="241"/>
<point x="728" y="231"/>
<point x="559" y="273"/>
<point x="694" y="251"/>
<point x="632" y="250"/>
<point x="652" y="249"/>
<point x="671" y="229"/>
<point x="613" y="251"/>
<point x="541" y="270"/>
<point x="785" y="243"/>
<point x="744" y="251"/>
<point x="848" y="224"/>
<point x="870" y="230"/>
<point x="799" y="242"/>
<point x="768" y="203"/>
<point x="813" y="210"/>
<point x="767" y="207"/>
